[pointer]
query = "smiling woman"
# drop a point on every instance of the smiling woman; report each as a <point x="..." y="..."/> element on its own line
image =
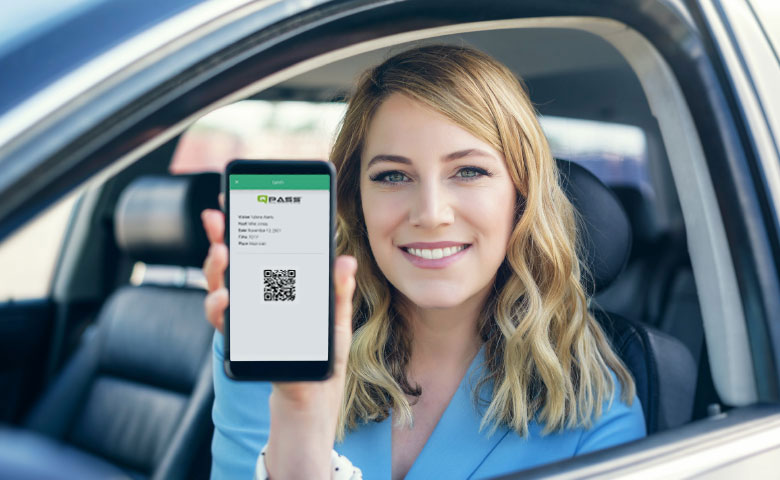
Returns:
<point x="452" y="152"/>
<point x="469" y="308"/>
<point x="411" y="204"/>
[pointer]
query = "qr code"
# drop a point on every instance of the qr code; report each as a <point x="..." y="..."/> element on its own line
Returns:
<point x="278" y="285"/>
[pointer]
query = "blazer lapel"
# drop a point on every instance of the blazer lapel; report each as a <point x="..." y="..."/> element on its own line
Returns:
<point x="369" y="448"/>
<point x="456" y="448"/>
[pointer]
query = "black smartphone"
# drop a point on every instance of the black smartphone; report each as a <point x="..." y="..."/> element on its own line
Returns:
<point x="279" y="231"/>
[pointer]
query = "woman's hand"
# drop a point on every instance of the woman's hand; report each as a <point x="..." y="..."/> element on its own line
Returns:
<point x="303" y="414"/>
<point x="214" y="267"/>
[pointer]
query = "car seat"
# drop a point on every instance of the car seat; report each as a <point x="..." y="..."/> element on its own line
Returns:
<point x="134" y="400"/>
<point x="658" y="287"/>
<point x="663" y="369"/>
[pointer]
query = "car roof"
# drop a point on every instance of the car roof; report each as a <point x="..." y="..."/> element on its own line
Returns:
<point x="569" y="73"/>
<point x="45" y="39"/>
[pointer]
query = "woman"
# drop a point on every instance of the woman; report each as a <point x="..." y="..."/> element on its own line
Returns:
<point x="473" y="351"/>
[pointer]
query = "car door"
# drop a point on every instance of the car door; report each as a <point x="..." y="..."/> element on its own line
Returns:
<point x="27" y="310"/>
<point x="738" y="37"/>
<point x="24" y="331"/>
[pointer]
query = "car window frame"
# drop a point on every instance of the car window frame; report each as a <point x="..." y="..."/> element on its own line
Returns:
<point x="260" y="55"/>
<point x="339" y="29"/>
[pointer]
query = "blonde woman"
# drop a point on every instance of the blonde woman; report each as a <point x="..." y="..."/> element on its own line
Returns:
<point x="464" y="345"/>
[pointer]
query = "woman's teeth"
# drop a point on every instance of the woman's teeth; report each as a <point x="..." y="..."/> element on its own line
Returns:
<point x="436" y="252"/>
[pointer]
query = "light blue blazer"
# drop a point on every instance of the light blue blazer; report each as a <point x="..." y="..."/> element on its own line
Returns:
<point x="455" y="450"/>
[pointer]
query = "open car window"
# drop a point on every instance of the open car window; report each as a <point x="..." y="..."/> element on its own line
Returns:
<point x="640" y="93"/>
<point x="264" y="129"/>
<point x="33" y="251"/>
<point x="258" y="129"/>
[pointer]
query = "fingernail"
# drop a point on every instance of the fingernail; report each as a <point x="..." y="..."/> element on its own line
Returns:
<point x="350" y="262"/>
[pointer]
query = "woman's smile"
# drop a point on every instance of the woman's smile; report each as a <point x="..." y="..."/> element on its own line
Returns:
<point x="434" y="254"/>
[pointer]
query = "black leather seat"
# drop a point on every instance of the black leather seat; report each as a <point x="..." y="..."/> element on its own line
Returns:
<point x="658" y="287"/>
<point x="663" y="369"/>
<point x="134" y="400"/>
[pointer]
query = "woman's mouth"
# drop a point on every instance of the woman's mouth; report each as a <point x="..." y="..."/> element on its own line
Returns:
<point x="434" y="255"/>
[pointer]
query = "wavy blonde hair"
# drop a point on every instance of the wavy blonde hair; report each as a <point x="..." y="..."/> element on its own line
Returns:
<point x="545" y="355"/>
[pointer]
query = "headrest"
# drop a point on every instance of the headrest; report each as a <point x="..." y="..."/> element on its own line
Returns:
<point x="157" y="218"/>
<point x="605" y="232"/>
<point x="638" y="201"/>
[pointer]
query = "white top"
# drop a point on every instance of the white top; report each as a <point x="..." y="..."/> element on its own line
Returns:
<point x="341" y="467"/>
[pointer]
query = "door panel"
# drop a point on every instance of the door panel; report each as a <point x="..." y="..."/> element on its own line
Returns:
<point x="25" y="332"/>
<point x="741" y="440"/>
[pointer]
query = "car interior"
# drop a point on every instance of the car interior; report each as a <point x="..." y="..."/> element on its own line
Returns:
<point x="114" y="375"/>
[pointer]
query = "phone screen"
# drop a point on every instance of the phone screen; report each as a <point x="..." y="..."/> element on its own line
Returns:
<point x="279" y="267"/>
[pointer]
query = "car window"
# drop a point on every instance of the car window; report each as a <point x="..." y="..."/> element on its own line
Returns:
<point x="258" y="129"/>
<point x="616" y="153"/>
<point x="246" y="129"/>
<point x="31" y="252"/>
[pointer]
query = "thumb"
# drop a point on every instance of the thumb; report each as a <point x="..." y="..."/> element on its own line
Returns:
<point x="344" y="271"/>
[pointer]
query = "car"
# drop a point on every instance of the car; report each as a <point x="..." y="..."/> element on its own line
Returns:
<point x="672" y="104"/>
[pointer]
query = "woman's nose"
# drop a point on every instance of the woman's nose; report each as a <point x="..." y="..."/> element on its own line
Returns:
<point x="431" y="206"/>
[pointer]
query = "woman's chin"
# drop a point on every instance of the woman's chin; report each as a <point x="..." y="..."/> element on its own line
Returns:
<point x="434" y="299"/>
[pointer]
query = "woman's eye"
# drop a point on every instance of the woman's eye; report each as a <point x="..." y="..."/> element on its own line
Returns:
<point x="390" y="177"/>
<point x="471" y="172"/>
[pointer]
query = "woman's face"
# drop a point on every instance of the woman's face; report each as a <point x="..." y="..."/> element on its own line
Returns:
<point x="438" y="204"/>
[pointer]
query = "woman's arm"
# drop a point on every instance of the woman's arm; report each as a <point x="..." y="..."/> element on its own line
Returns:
<point x="241" y="421"/>
<point x="242" y="424"/>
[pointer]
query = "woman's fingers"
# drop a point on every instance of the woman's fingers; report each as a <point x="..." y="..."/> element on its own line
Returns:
<point x="214" y="224"/>
<point x="216" y="303"/>
<point x="215" y="265"/>
<point x="217" y="259"/>
<point x="344" y="271"/>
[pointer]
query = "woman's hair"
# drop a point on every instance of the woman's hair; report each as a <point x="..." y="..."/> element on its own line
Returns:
<point x="547" y="358"/>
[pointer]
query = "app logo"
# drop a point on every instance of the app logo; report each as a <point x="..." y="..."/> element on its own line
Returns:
<point x="275" y="200"/>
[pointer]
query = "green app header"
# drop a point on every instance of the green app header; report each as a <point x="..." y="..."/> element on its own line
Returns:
<point x="280" y="182"/>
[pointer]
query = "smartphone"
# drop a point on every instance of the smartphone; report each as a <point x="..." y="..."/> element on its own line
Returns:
<point x="279" y="231"/>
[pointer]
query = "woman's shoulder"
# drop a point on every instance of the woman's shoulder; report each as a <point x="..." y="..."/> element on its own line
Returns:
<point x="620" y="422"/>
